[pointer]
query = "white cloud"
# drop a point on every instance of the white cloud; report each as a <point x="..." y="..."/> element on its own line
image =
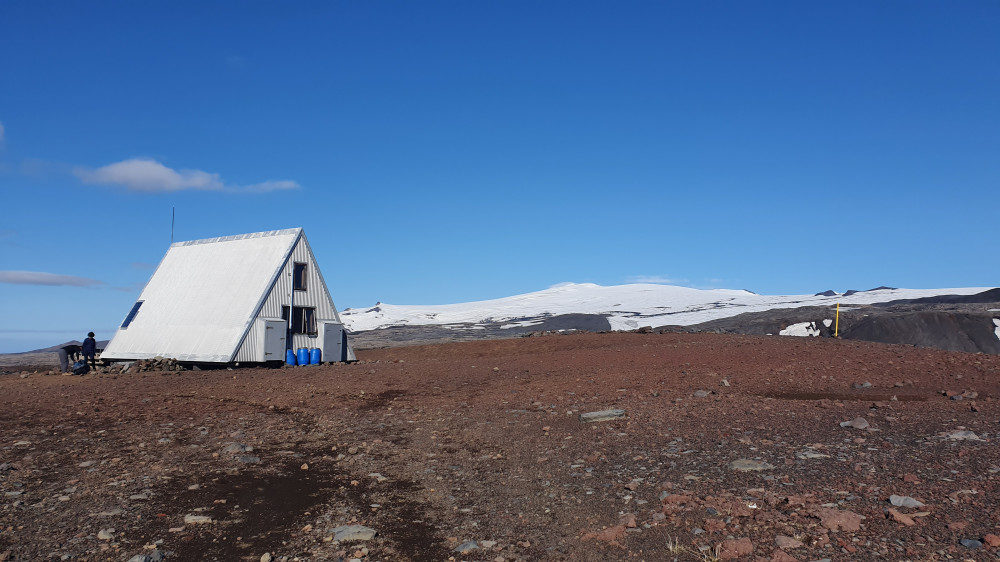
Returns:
<point x="40" y="278"/>
<point x="266" y="186"/>
<point x="149" y="176"/>
<point x="655" y="279"/>
<point x="139" y="174"/>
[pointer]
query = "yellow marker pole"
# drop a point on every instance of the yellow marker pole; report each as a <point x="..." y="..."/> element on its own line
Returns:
<point x="836" y="326"/>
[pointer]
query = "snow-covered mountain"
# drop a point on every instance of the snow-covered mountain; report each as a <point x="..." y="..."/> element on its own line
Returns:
<point x="625" y="306"/>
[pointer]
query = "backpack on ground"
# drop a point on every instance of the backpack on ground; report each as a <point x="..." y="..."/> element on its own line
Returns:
<point x="80" y="368"/>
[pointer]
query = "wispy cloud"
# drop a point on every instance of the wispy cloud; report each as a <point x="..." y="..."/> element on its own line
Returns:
<point x="655" y="279"/>
<point x="149" y="176"/>
<point x="135" y="288"/>
<point x="37" y="168"/>
<point x="264" y="187"/>
<point x="41" y="278"/>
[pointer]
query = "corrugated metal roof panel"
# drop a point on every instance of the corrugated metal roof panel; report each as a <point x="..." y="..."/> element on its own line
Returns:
<point x="202" y="297"/>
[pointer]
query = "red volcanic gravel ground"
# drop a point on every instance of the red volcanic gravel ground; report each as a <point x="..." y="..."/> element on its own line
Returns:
<point x="731" y="447"/>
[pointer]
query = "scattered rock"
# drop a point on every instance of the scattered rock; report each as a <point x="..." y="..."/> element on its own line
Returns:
<point x="352" y="533"/>
<point x="961" y="435"/>
<point x="971" y="544"/>
<point x="748" y="465"/>
<point x="106" y="534"/>
<point x="861" y="385"/>
<point x="782" y="556"/>
<point x="734" y="548"/>
<point x="467" y="546"/>
<point x="233" y="448"/>
<point x="901" y="518"/>
<point x="603" y="415"/>
<point x="197" y="519"/>
<point x="153" y="556"/>
<point x="842" y="519"/>
<point x="787" y="543"/>
<point x="856" y="423"/>
<point x="904" y="501"/>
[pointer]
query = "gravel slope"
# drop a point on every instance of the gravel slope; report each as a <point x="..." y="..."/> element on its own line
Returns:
<point x="436" y="446"/>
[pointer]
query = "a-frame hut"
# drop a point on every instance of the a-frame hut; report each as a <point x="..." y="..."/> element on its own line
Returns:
<point x="235" y="299"/>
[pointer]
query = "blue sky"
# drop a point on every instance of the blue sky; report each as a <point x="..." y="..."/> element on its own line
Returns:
<point x="440" y="152"/>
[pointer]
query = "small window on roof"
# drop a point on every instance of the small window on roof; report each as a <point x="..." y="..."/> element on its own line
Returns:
<point x="131" y="314"/>
<point x="299" y="277"/>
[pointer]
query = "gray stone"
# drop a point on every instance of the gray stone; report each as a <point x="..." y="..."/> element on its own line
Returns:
<point x="747" y="465"/>
<point x="197" y="519"/>
<point x="964" y="435"/>
<point x="811" y="454"/>
<point x="467" y="546"/>
<point x="106" y="534"/>
<point x="248" y="459"/>
<point x="233" y="448"/>
<point x="702" y="394"/>
<point x="154" y="556"/>
<point x="970" y="543"/>
<point x="860" y="385"/>
<point x="353" y="533"/>
<point x="603" y="415"/>
<point x="856" y="423"/>
<point x="904" y="501"/>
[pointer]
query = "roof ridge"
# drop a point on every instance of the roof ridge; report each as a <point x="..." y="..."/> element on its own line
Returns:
<point x="262" y="234"/>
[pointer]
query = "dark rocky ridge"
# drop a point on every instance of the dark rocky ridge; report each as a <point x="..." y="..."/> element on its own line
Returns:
<point x="415" y="335"/>
<point x="949" y="322"/>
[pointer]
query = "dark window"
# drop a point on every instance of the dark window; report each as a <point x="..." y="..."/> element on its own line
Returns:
<point x="131" y="314"/>
<point x="303" y="320"/>
<point x="299" y="277"/>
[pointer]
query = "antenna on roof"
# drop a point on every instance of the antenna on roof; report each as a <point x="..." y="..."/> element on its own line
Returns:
<point x="173" y="215"/>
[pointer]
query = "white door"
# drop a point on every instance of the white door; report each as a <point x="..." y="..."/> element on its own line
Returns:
<point x="333" y="338"/>
<point x="274" y="340"/>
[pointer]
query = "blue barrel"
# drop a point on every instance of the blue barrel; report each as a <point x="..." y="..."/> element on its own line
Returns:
<point x="315" y="355"/>
<point x="290" y="357"/>
<point x="303" y="355"/>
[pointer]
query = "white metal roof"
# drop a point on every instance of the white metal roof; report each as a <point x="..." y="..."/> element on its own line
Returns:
<point x="203" y="296"/>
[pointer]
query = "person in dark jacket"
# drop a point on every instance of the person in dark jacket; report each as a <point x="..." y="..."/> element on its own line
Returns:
<point x="90" y="349"/>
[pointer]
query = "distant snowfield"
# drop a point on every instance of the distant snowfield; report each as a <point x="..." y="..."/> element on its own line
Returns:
<point x="626" y="307"/>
